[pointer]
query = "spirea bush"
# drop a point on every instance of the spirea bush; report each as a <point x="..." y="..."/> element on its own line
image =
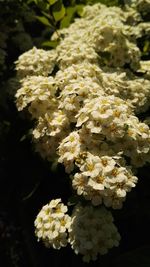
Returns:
<point x="85" y="97"/>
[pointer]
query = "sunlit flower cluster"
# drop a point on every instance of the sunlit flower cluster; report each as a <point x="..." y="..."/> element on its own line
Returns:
<point x="35" y="88"/>
<point x="52" y="224"/>
<point x="86" y="111"/>
<point x="103" y="30"/>
<point x="128" y="86"/>
<point x="102" y="180"/>
<point x="36" y="62"/>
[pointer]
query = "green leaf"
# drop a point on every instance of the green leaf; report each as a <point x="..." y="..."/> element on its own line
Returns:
<point x="146" y="47"/>
<point x="42" y="5"/>
<point x="44" y="20"/>
<point x="46" y="14"/>
<point x="58" y="11"/>
<point x="65" y="22"/>
<point x="52" y="2"/>
<point x="51" y="44"/>
<point x="79" y="9"/>
<point x="70" y="14"/>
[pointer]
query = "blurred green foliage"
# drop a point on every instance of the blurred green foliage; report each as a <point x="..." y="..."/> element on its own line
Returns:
<point x="58" y="14"/>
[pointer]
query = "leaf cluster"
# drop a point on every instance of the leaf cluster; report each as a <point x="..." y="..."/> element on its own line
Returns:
<point x="56" y="14"/>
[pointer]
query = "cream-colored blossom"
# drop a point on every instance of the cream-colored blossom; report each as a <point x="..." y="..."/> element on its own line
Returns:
<point x="35" y="88"/>
<point x="36" y="62"/>
<point x="101" y="178"/>
<point x="52" y="224"/>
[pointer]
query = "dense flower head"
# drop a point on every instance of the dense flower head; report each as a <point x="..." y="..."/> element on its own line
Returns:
<point x="75" y="53"/>
<point x="128" y="86"/>
<point x="36" y="62"/>
<point x="103" y="180"/>
<point x="107" y="33"/>
<point x="105" y="115"/>
<point x="92" y="232"/>
<point x="35" y="88"/>
<point x="52" y="224"/>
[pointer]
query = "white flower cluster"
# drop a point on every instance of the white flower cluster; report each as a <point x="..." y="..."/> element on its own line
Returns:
<point x="92" y="232"/>
<point x="101" y="179"/>
<point x="102" y="36"/>
<point x="85" y="112"/>
<point x="89" y="231"/>
<point x="35" y="88"/>
<point x="52" y="224"/>
<point x="105" y="115"/>
<point x="102" y="175"/>
<point x="127" y="86"/>
<point x="36" y="62"/>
